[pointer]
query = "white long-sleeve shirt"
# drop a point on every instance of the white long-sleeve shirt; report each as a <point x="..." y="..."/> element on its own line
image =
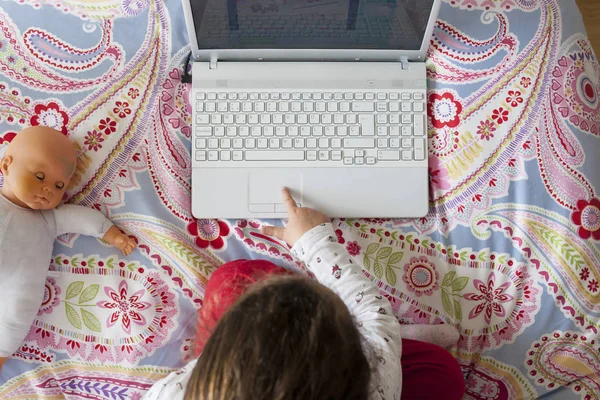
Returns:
<point x="26" y="241"/>
<point x="334" y="268"/>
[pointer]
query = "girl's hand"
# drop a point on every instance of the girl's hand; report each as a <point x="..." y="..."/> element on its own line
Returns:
<point x="300" y="221"/>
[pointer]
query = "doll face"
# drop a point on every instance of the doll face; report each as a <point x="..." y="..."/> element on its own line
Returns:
<point x="38" y="179"/>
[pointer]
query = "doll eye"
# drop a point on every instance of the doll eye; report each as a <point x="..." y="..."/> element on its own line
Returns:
<point x="60" y="185"/>
<point x="40" y="175"/>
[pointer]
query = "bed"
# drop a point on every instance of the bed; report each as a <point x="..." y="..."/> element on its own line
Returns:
<point x="509" y="253"/>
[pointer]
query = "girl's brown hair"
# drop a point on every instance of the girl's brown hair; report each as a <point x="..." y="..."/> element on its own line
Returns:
<point x="285" y="338"/>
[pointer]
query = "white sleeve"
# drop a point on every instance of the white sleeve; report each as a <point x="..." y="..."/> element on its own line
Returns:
<point x="172" y="386"/>
<point x="336" y="269"/>
<point x="71" y="218"/>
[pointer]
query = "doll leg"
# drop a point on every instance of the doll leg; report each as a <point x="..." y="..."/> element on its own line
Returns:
<point x="429" y="372"/>
<point x="442" y="335"/>
<point x="224" y="287"/>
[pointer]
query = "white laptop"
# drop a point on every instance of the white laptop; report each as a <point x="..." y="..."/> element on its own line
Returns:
<point x="325" y="97"/>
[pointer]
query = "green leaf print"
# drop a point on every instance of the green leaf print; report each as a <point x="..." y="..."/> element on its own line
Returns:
<point x="396" y="257"/>
<point x="447" y="303"/>
<point x="384" y="253"/>
<point x="448" y="278"/>
<point x="378" y="270"/>
<point x="459" y="283"/>
<point x="72" y="315"/>
<point x="390" y="275"/>
<point x="91" y="321"/>
<point x="457" y="311"/>
<point x="367" y="262"/>
<point x="372" y="248"/>
<point x="89" y="293"/>
<point x="74" y="289"/>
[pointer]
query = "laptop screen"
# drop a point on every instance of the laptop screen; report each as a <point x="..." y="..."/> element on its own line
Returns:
<point x="311" y="24"/>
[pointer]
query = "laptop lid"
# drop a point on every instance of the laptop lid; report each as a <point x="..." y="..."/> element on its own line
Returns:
<point x="326" y="30"/>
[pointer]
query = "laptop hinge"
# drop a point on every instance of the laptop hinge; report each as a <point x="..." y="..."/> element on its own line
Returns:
<point x="213" y="63"/>
<point x="404" y="62"/>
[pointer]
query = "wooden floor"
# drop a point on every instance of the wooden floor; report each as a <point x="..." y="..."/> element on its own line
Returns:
<point x="590" y="9"/>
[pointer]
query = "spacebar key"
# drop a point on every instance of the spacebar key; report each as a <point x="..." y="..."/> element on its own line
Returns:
<point x="275" y="155"/>
<point x="360" y="143"/>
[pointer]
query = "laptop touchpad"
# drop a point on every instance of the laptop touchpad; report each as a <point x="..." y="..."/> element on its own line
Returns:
<point x="264" y="187"/>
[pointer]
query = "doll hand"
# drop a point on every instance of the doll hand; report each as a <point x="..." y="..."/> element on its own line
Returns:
<point x="118" y="239"/>
<point x="124" y="243"/>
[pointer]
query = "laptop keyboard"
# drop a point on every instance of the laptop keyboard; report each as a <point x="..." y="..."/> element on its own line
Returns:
<point x="326" y="128"/>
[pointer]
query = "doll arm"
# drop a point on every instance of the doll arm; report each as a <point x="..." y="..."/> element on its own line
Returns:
<point x="87" y="221"/>
<point x="78" y="219"/>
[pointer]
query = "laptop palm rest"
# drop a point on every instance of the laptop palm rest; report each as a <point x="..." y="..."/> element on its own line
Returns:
<point x="264" y="189"/>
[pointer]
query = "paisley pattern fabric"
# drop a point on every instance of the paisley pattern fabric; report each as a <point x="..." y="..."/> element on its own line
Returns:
<point x="509" y="252"/>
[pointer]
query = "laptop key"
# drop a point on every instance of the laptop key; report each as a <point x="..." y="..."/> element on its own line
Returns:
<point x="419" y="125"/>
<point x="200" y="155"/>
<point x="225" y="155"/>
<point x="213" y="143"/>
<point x="419" y="149"/>
<point x="238" y="156"/>
<point x="359" y="143"/>
<point x="388" y="155"/>
<point x="275" y="155"/>
<point x="202" y="119"/>
<point x="213" y="155"/>
<point x="201" y="144"/>
<point x="363" y="106"/>
<point x="367" y="122"/>
<point x="203" y="131"/>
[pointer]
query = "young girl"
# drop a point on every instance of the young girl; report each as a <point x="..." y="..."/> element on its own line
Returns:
<point x="273" y="335"/>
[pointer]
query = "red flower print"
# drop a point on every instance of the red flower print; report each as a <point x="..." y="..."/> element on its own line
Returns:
<point x="377" y="221"/>
<point x="51" y="116"/>
<point x="93" y="140"/>
<point x="444" y="110"/>
<point x="107" y="126"/>
<point x="353" y="248"/>
<point x="500" y="115"/>
<point x="514" y="98"/>
<point x="420" y="276"/>
<point x="486" y="129"/>
<point x="438" y="174"/>
<point x="340" y="236"/>
<point x="7" y="137"/>
<point x="525" y="82"/>
<point x="133" y="93"/>
<point x="593" y="286"/>
<point x="490" y="298"/>
<point x="584" y="274"/>
<point x="122" y="109"/>
<point x="587" y="217"/>
<point x="126" y="306"/>
<point x="209" y="232"/>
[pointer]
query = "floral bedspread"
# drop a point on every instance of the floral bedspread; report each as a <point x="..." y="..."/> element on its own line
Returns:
<point x="509" y="253"/>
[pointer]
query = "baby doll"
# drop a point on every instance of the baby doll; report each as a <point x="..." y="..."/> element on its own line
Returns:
<point x="37" y="166"/>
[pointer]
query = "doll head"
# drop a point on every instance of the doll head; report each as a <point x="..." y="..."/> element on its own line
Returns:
<point x="37" y="166"/>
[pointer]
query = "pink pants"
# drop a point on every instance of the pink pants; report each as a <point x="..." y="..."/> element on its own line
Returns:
<point x="422" y="363"/>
